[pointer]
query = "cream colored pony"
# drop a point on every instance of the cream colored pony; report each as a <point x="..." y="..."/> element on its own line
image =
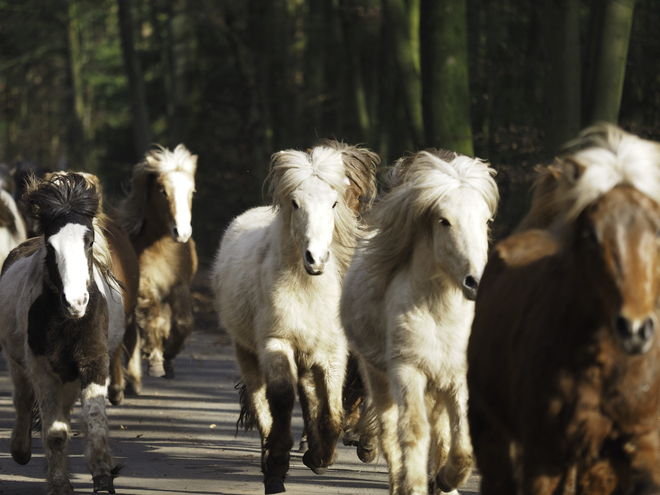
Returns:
<point x="277" y="283"/>
<point x="407" y="307"/>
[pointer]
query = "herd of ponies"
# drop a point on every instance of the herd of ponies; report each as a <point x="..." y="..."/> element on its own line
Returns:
<point x="385" y="313"/>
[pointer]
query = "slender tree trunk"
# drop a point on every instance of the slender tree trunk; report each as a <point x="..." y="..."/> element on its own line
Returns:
<point x="139" y="109"/>
<point x="562" y="34"/>
<point x="398" y="20"/>
<point x="77" y="136"/>
<point x="609" y="66"/>
<point x="446" y="91"/>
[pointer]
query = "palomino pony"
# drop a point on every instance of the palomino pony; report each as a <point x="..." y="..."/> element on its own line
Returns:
<point x="61" y="319"/>
<point x="277" y="282"/>
<point x="564" y="364"/>
<point x="157" y="216"/>
<point x="126" y="270"/>
<point x="407" y="306"/>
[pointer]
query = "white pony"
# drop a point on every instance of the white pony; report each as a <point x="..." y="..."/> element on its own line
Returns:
<point x="277" y="283"/>
<point x="61" y="318"/>
<point x="407" y="307"/>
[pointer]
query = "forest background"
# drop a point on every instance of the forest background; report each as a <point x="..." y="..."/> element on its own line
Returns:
<point x="89" y="85"/>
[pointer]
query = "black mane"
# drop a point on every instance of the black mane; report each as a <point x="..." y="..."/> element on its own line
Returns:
<point x="48" y="200"/>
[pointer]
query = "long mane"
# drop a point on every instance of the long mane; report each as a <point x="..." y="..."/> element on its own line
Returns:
<point x="132" y="211"/>
<point x="290" y="168"/>
<point x="602" y="157"/>
<point x="62" y="193"/>
<point x="418" y="183"/>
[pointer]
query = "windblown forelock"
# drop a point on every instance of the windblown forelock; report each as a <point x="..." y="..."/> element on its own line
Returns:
<point x="50" y="199"/>
<point x="610" y="157"/>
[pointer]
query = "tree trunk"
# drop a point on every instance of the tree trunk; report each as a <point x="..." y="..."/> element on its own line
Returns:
<point x="562" y="34"/>
<point x="77" y="137"/>
<point x="398" y="20"/>
<point x="139" y="109"/>
<point x="446" y="91"/>
<point x="609" y="65"/>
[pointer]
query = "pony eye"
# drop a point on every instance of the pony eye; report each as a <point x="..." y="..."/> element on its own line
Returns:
<point x="295" y="205"/>
<point x="445" y="222"/>
<point x="335" y="204"/>
<point x="163" y="191"/>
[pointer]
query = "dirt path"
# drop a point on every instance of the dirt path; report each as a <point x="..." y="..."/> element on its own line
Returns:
<point x="179" y="436"/>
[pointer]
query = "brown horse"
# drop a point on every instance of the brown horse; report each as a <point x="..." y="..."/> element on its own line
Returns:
<point x="563" y="362"/>
<point x="157" y="216"/>
<point x="126" y="270"/>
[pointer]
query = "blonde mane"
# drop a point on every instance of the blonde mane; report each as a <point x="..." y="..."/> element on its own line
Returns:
<point x="290" y="168"/>
<point x="419" y="183"/>
<point x="132" y="211"/>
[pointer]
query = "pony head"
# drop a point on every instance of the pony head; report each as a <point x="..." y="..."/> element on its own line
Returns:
<point x="614" y="218"/>
<point x="162" y="187"/>
<point x="65" y="207"/>
<point x="308" y="189"/>
<point x="446" y="198"/>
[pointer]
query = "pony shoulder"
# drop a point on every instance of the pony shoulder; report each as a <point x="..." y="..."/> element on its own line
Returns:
<point x="23" y="250"/>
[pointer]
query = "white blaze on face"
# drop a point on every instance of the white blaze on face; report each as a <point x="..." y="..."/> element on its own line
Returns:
<point x="69" y="247"/>
<point x="181" y="189"/>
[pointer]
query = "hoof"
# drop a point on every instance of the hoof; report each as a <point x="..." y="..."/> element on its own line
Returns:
<point x="103" y="483"/>
<point x="169" y="370"/>
<point x="156" y="369"/>
<point x="444" y="488"/>
<point x="307" y="461"/>
<point x="116" y="397"/>
<point x="366" y="455"/>
<point x="303" y="447"/>
<point x="21" y="458"/>
<point x="274" y="486"/>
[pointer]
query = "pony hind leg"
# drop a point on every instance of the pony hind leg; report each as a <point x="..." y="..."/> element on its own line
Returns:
<point x="117" y="380"/>
<point x="21" y="436"/>
<point x="181" y="326"/>
<point x="132" y="346"/>
<point x="459" y="464"/>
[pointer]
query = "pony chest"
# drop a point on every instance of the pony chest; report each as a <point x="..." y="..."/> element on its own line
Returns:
<point x="68" y="345"/>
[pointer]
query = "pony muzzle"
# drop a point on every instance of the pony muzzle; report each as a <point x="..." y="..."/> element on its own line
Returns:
<point x="635" y="336"/>
<point x="75" y="306"/>
<point x="181" y="233"/>
<point x="315" y="262"/>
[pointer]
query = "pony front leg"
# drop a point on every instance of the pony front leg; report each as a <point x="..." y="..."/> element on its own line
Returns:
<point x="21" y="436"/>
<point x="459" y="465"/>
<point x="55" y="433"/>
<point x="181" y="326"/>
<point x="277" y="361"/>
<point x="408" y="386"/>
<point x="94" y="382"/>
<point x="153" y="318"/>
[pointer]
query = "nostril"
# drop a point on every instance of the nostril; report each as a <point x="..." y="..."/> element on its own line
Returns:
<point x="86" y="297"/>
<point x="325" y="257"/>
<point x="309" y="258"/>
<point x="623" y="326"/>
<point x="175" y="231"/>
<point x="471" y="283"/>
<point x="648" y="329"/>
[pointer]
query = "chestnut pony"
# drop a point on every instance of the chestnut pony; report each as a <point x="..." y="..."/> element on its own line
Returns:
<point x="563" y="359"/>
<point x="156" y="215"/>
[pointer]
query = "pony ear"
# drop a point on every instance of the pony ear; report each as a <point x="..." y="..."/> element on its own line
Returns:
<point x="572" y="169"/>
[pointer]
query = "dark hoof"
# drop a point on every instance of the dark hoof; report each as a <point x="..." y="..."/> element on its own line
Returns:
<point x="304" y="446"/>
<point x="169" y="370"/>
<point x="103" y="483"/>
<point x="366" y="455"/>
<point x="274" y="486"/>
<point x="307" y="460"/>
<point x="116" y="397"/>
<point x="444" y="487"/>
<point x="22" y="458"/>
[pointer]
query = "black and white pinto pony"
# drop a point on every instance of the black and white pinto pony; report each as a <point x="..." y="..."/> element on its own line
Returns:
<point x="407" y="307"/>
<point x="61" y="319"/>
<point x="277" y="283"/>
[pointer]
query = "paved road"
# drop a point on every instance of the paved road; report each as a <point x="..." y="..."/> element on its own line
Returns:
<point x="179" y="437"/>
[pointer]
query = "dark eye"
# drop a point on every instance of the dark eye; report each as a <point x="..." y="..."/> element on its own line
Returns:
<point x="590" y="235"/>
<point x="163" y="191"/>
<point x="335" y="205"/>
<point x="445" y="222"/>
<point x="295" y="205"/>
